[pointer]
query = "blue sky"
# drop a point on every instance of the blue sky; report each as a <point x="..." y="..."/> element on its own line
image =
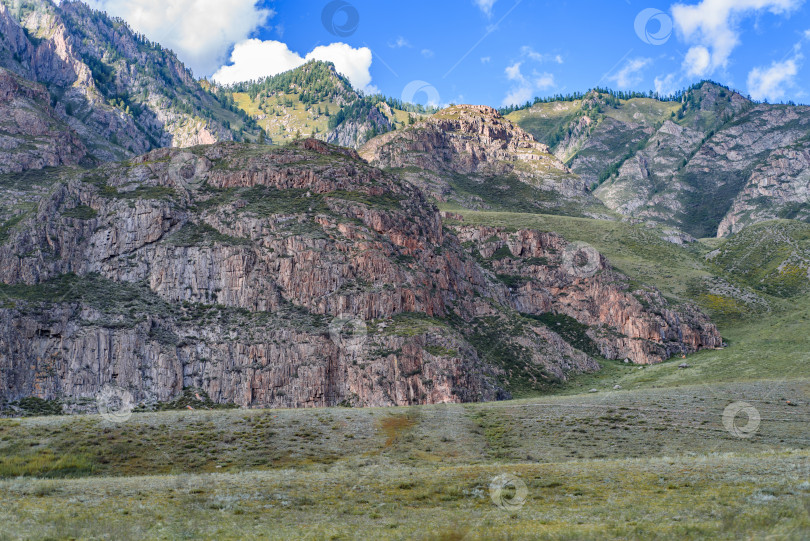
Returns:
<point x="496" y="52"/>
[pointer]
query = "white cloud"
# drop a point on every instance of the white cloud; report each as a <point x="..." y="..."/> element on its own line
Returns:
<point x="526" y="87"/>
<point x="201" y="32"/>
<point x="254" y="59"/>
<point x="531" y="54"/>
<point x="518" y="96"/>
<point x="399" y="43"/>
<point x="513" y="72"/>
<point x="544" y="81"/>
<point x="486" y="59"/>
<point x="485" y="6"/>
<point x="666" y="86"/>
<point x="630" y="74"/>
<point x="698" y="62"/>
<point x="712" y="28"/>
<point x="427" y="53"/>
<point x="351" y="62"/>
<point x="769" y="83"/>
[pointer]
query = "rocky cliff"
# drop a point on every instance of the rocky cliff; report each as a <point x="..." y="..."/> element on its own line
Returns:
<point x="471" y="155"/>
<point x="31" y="134"/>
<point x="710" y="163"/>
<point x="105" y="92"/>
<point x="296" y="277"/>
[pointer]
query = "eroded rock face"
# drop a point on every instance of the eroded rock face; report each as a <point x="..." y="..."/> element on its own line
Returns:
<point x="477" y="142"/>
<point x="783" y="180"/>
<point x="240" y="270"/>
<point x="727" y="164"/>
<point x="109" y="89"/>
<point x="353" y="133"/>
<point x="31" y="135"/>
<point x="576" y="281"/>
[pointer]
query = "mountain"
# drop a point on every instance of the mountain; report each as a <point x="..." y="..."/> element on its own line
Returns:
<point x="297" y="276"/>
<point x="710" y="162"/>
<point x="94" y="91"/>
<point x="472" y="157"/>
<point x="314" y="100"/>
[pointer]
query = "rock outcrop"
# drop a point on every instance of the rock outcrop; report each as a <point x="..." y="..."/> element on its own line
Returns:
<point x="551" y="275"/>
<point x="110" y="92"/>
<point x="710" y="164"/>
<point x="290" y="278"/>
<point x="474" y="156"/>
<point x="31" y="135"/>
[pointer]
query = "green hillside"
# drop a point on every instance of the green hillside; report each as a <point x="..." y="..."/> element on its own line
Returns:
<point x="315" y="101"/>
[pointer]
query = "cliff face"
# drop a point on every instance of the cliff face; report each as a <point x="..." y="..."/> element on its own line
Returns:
<point x="113" y="91"/>
<point x="711" y="163"/>
<point x="550" y="275"/>
<point x="293" y="277"/>
<point x="31" y="135"/>
<point x="470" y="154"/>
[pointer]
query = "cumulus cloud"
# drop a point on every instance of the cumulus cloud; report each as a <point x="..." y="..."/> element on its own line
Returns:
<point x="254" y="59"/>
<point x="630" y="74"/>
<point x="351" y="62"/>
<point x="427" y="53"/>
<point x="770" y="83"/>
<point x="525" y="87"/>
<point x="201" y="32"/>
<point x="712" y="29"/>
<point x="513" y="72"/>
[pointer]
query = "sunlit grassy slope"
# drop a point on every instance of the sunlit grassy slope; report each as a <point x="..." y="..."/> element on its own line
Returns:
<point x="620" y="464"/>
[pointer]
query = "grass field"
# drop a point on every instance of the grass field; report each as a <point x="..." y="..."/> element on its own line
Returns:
<point x="614" y="464"/>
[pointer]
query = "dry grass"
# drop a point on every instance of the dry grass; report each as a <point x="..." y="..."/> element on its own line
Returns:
<point x="626" y="464"/>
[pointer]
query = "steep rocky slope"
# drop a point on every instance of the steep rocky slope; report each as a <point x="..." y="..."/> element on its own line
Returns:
<point x="31" y="134"/>
<point x="470" y="155"/>
<point x="711" y="163"/>
<point x="116" y="92"/>
<point x="296" y="277"/>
